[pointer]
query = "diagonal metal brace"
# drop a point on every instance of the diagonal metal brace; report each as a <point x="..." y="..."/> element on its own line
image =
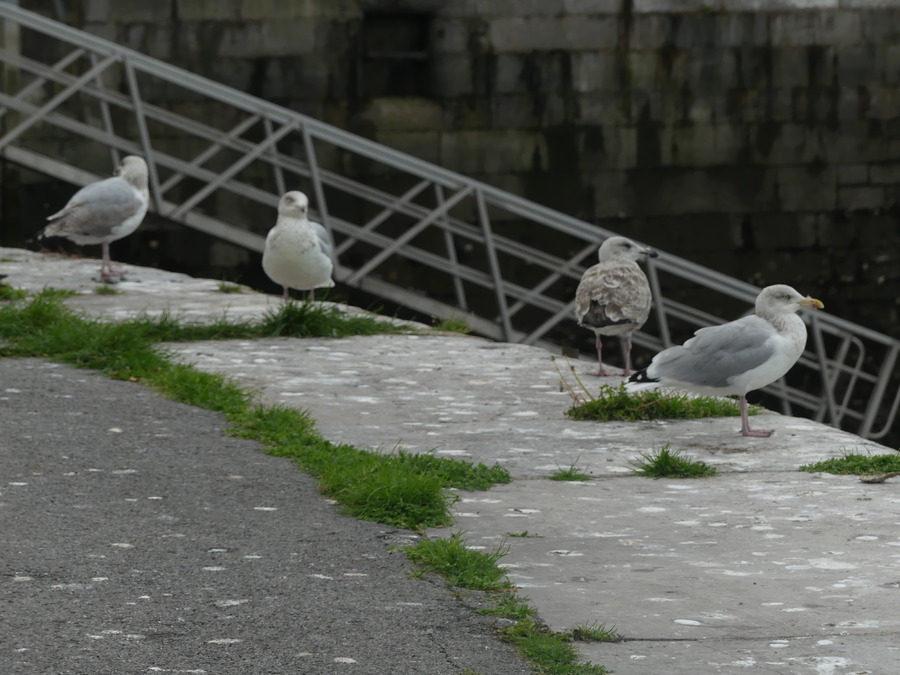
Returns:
<point x="57" y="100"/>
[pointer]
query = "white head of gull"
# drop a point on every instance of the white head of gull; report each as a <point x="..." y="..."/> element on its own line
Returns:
<point x="105" y="211"/>
<point x="740" y="356"/>
<point x="298" y="252"/>
<point x="613" y="297"/>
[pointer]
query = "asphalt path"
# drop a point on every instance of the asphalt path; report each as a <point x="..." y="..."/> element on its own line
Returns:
<point x="137" y="537"/>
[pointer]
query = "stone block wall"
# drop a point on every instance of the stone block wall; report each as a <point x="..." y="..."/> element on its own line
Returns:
<point x="759" y="137"/>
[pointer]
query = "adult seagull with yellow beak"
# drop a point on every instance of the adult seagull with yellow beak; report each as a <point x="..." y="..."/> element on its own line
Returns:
<point x="740" y="356"/>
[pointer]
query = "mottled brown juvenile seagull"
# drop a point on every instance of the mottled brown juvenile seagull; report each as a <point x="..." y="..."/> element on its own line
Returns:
<point x="613" y="297"/>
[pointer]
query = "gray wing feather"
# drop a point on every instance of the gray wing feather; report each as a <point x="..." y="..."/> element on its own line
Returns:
<point x="95" y="210"/>
<point x="717" y="354"/>
<point x="324" y="238"/>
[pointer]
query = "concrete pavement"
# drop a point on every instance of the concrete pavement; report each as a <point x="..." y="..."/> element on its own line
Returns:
<point x="760" y="568"/>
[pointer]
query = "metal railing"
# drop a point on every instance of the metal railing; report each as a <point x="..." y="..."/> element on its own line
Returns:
<point x="405" y="230"/>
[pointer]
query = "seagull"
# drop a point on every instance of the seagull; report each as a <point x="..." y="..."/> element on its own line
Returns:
<point x="298" y="252"/>
<point x="613" y="297"/>
<point x="740" y="356"/>
<point x="105" y="211"/>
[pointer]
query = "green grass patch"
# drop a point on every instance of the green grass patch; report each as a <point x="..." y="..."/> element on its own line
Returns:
<point x="550" y="653"/>
<point x="106" y="289"/>
<point x="856" y="464"/>
<point x="453" y="325"/>
<point x="461" y="566"/>
<point x="311" y="319"/>
<point x="542" y="646"/>
<point x="228" y="287"/>
<point x="203" y="390"/>
<point x="7" y="292"/>
<point x="397" y="489"/>
<point x="167" y="328"/>
<point x="57" y="293"/>
<point x="44" y="320"/>
<point x="455" y="473"/>
<point x="508" y="605"/>
<point x="667" y="464"/>
<point x="570" y="473"/>
<point x="390" y="494"/>
<point x="595" y="632"/>
<point x="45" y="328"/>
<point x="294" y="319"/>
<point x="618" y="404"/>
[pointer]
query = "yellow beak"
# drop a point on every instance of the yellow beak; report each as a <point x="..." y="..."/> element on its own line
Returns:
<point x="812" y="303"/>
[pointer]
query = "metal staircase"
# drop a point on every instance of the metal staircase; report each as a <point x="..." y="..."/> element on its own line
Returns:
<point x="506" y="265"/>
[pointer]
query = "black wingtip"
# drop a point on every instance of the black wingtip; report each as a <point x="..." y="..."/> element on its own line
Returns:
<point x="596" y="317"/>
<point x="41" y="242"/>
<point x="35" y="242"/>
<point x="642" y="377"/>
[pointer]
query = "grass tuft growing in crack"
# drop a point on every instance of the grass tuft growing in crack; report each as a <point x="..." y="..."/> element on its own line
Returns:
<point x="595" y="632"/>
<point x="452" y="325"/>
<point x="570" y="473"/>
<point x="308" y="319"/>
<point x="459" y="565"/>
<point x="167" y="328"/>
<point x="856" y="464"/>
<point x="228" y="287"/>
<point x="619" y="404"/>
<point x="509" y="606"/>
<point x="454" y="473"/>
<point x="295" y="319"/>
<point x="667" y="464"/>
<point x="7" y="292"/>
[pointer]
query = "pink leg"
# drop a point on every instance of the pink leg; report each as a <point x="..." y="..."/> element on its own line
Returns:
<point x="107" y="273"/>
<point x="627" y="355"/>
<point x="600" y="371"/>
<point x="745" y="424"/>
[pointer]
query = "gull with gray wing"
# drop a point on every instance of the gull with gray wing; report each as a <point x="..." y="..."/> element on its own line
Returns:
<point x="298" y="252"/>
<point x="738" y="357"/>
<point x="105" y="211"/>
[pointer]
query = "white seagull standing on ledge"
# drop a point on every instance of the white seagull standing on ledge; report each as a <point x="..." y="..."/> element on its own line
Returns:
<point x="105" y="211"/>
<point x="613" y="297"/>
<point x="740" y="356"/>
<point x="298" y="252"/>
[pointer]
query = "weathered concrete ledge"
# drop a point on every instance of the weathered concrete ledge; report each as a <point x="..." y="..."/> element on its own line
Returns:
<point x="759" y="567"/>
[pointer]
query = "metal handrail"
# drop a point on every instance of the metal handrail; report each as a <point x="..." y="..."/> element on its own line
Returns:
<point x="464" y="234"/>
